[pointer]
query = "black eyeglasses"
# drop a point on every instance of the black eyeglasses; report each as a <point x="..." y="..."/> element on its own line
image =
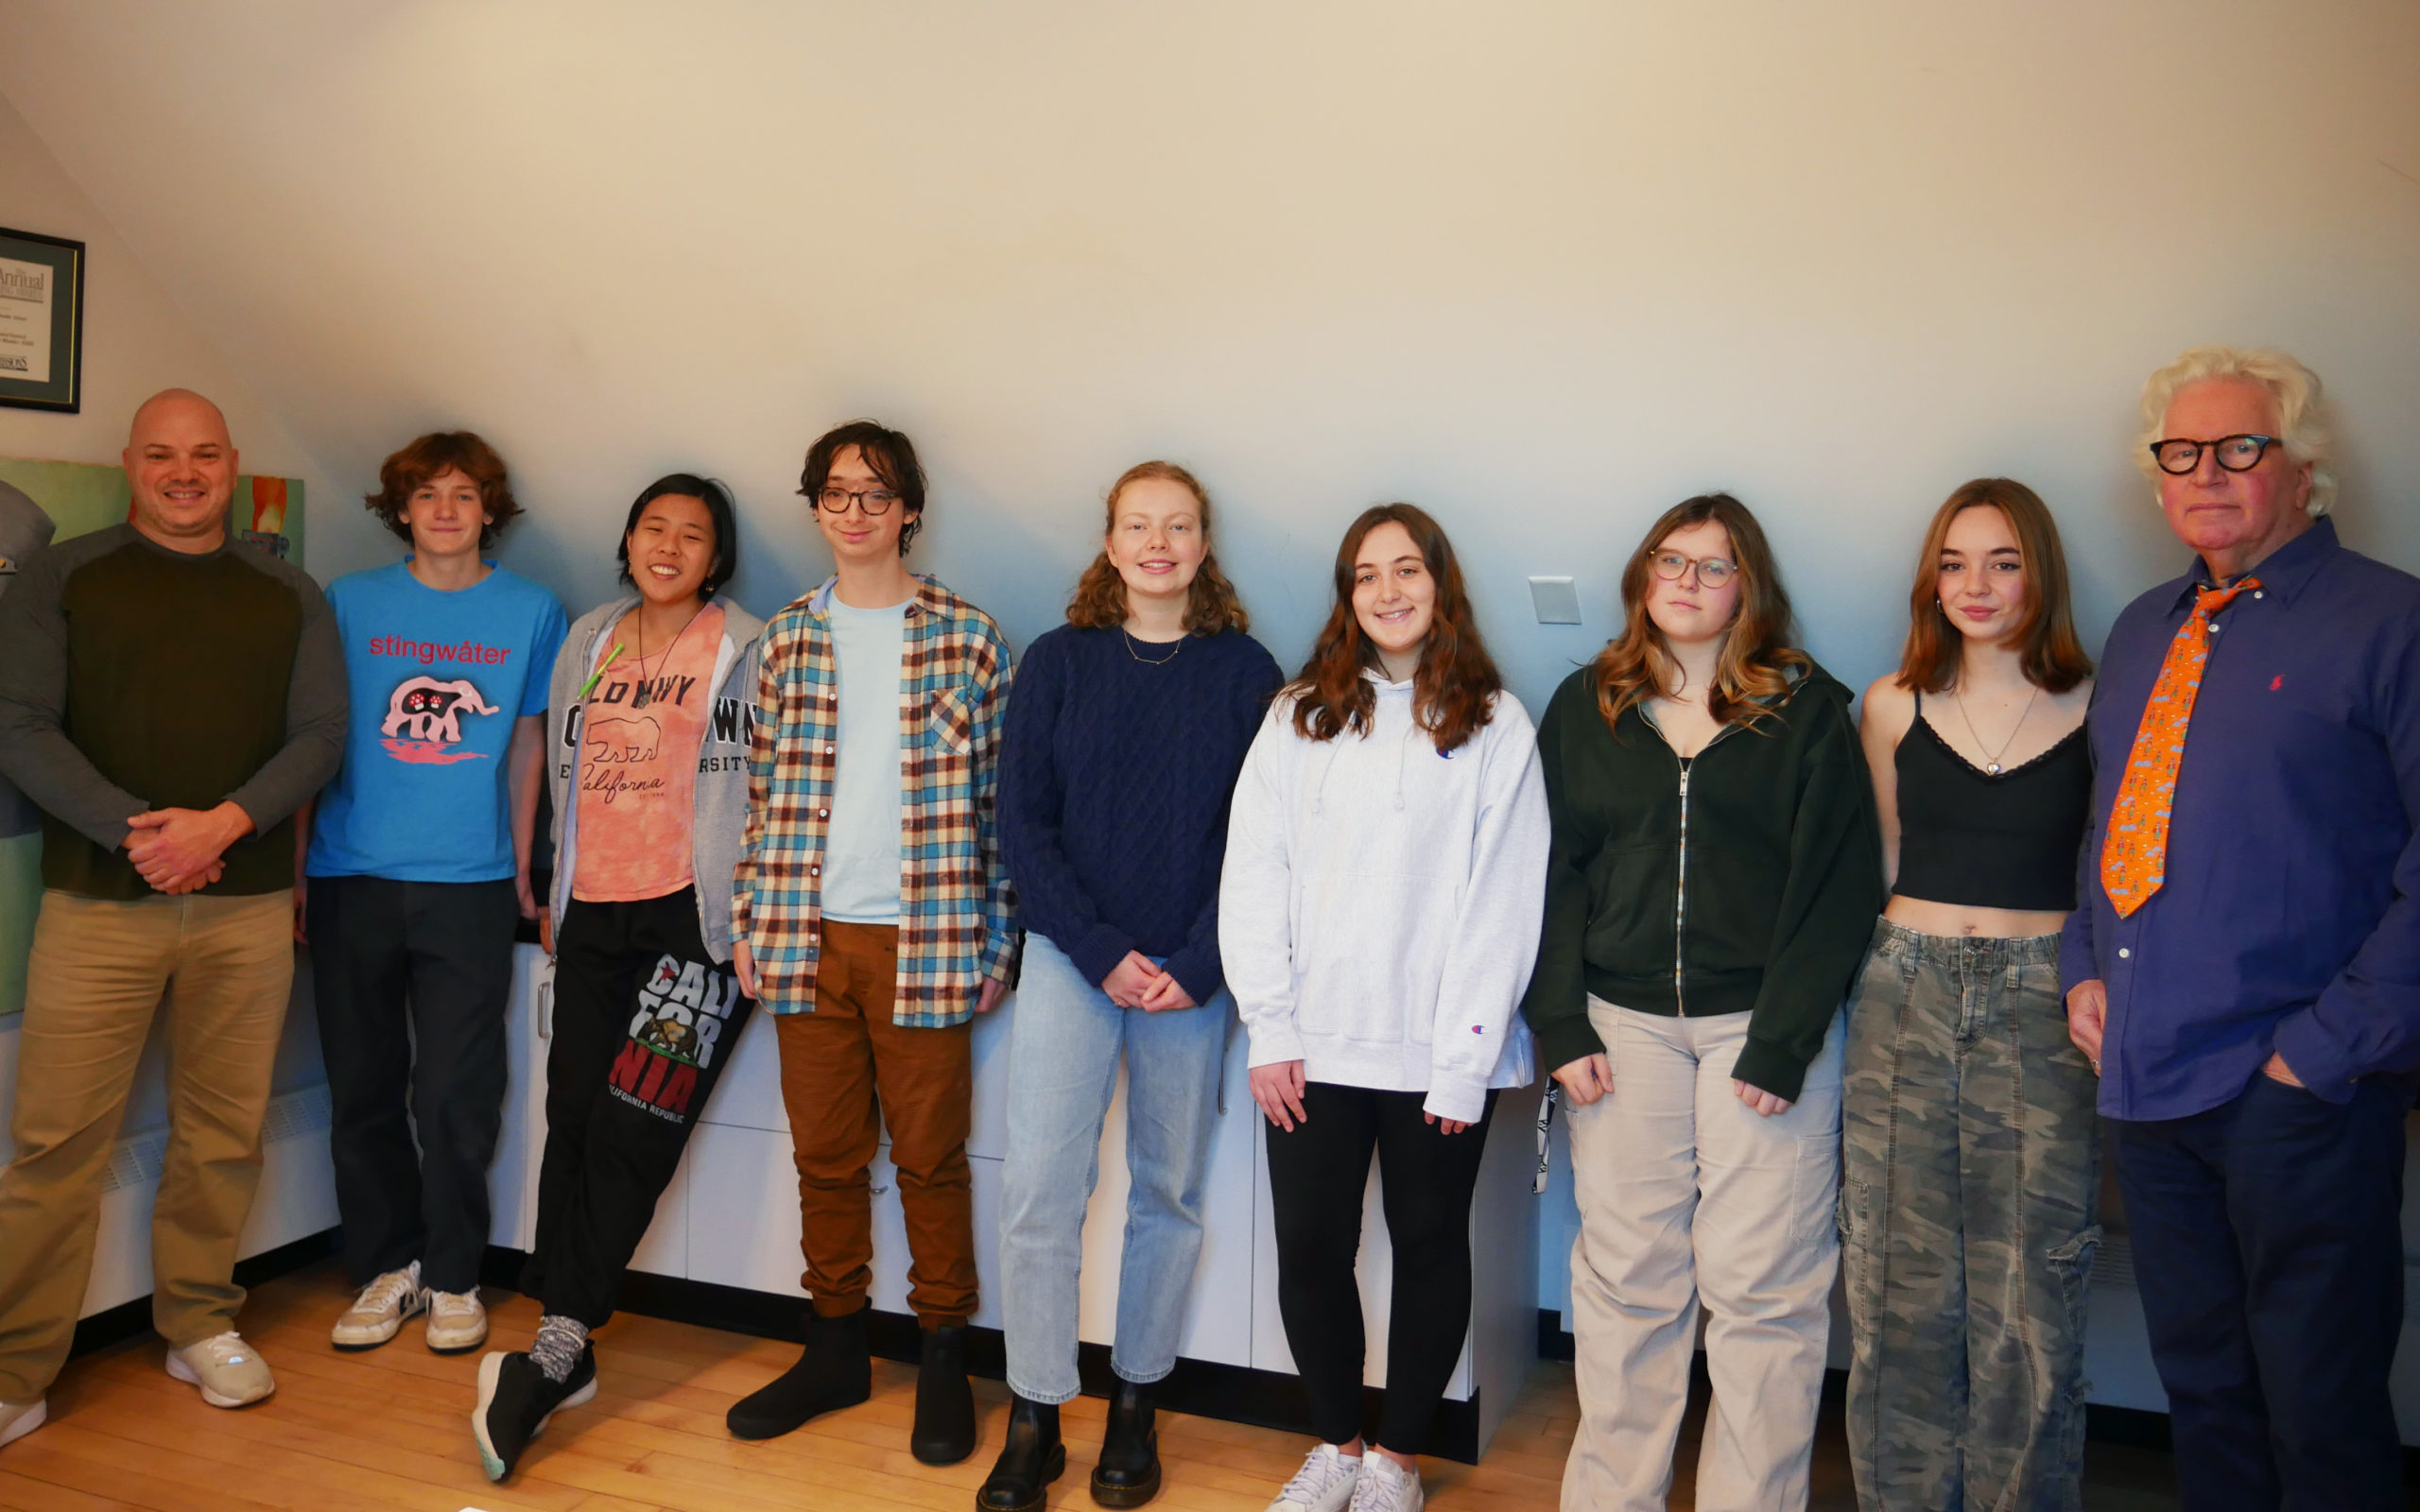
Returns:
<point x="2237" y="454"/>
<point x="874" y="501"/>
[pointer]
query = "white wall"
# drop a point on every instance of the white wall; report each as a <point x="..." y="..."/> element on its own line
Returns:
<point x="137" y="341"/>
<point x="1544" y="268"/>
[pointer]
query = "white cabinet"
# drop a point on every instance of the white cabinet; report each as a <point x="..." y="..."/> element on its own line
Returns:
<point x="512" y="1178"/>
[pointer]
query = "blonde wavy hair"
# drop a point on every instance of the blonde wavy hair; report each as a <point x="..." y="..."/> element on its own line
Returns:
<point x="2302" y="410"/>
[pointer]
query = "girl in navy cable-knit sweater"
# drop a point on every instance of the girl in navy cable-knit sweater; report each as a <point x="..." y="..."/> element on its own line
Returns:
<point x="1123" y="739"/>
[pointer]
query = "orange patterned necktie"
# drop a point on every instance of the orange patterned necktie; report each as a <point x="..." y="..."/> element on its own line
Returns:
<point x="2134" y="858"/>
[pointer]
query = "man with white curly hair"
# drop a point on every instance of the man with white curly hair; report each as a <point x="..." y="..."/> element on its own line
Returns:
<point x="2244" y="965"/>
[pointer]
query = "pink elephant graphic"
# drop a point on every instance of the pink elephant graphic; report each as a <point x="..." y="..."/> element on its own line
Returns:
<point x="425" y="709"/>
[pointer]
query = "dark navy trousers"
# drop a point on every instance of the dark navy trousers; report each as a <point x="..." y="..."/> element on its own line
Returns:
<point x="2268" y="1248"/>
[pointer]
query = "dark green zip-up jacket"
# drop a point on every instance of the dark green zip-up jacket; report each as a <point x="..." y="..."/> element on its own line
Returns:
<point x="1784" y="875"/>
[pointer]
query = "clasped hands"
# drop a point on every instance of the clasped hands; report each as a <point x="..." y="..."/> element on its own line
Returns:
<point x="1135" y="983"/>
<point x="179" y="851"/>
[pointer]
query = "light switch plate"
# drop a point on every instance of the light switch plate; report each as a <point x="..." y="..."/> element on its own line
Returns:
<point x="1556" y="601"/>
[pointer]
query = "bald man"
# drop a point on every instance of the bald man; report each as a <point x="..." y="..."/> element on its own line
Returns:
<point x="167" y="698"/>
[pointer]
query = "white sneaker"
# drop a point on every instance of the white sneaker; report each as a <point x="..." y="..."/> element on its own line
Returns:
<point x="1387" y="1486"/>
<point x="1324" y="1483"/>
<point x="380" y="1309"/>
<point x="18" y="1418"/>
<point x="228" y="1371"/>
<point x="457" y="1321"/>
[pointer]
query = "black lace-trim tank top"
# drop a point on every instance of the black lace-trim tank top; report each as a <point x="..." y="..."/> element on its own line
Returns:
<point x="1967" y="836"/>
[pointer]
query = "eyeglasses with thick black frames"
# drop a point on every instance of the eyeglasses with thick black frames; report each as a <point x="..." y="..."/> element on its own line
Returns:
<point x="874" y="501"/>
<point x="2237" y="454"/>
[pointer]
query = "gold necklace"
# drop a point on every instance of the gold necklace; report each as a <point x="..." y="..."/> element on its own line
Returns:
<point x="1149" y="661"/>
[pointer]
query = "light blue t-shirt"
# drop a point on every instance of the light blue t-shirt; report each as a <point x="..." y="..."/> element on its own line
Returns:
<point x="437" y="680"/>
<point x="861" y="853"/>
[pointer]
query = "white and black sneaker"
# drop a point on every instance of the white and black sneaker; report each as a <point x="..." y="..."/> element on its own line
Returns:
<point x="515" y="1400"/>
<point x="379" y="1312"/>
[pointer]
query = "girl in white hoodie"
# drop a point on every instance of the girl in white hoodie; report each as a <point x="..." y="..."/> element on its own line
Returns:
<point x="1378" y="915"/>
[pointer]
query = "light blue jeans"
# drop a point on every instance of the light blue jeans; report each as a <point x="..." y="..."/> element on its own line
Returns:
<point x="1064" y="1037"/>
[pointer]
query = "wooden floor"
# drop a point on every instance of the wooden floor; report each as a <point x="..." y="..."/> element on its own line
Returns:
<point x="390" y="1429"/>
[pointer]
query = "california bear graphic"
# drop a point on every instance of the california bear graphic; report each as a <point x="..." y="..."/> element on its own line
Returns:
<point x="672" y="1037"/>
<point x="425" y="709"/>
<point x="622" y="740"/>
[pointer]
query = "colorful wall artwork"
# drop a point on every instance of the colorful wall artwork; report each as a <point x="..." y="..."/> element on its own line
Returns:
<point x="78" y="497"/>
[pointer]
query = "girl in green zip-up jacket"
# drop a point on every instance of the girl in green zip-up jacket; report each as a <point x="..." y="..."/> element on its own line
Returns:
<point x="1714" y="873"/>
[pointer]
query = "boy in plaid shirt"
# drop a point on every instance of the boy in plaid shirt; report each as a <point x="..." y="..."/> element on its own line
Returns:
<point x="871" y="916"/>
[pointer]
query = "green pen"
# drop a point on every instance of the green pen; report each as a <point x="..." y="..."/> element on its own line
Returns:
<point x="590" y="686"/>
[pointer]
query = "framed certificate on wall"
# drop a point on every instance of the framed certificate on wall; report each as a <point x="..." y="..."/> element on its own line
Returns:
<point x="42" y="322"/>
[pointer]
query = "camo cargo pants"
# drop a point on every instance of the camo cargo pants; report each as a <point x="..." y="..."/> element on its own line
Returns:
<point x="1971" y="1173"/>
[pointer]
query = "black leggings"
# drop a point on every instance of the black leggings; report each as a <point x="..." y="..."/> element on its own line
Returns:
<point x="1317" y="1175"/>
<point x="644" y="1021"/>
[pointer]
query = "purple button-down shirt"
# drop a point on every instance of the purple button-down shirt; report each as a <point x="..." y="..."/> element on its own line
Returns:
<point x="2289" y="919"/>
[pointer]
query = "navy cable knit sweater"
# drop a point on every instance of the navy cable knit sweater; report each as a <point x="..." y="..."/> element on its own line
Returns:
<point x="1115" y="777"/>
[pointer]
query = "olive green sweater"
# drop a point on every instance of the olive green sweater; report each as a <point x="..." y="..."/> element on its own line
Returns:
<point x="1784" y="875"/>
<point x="134" y="677"/>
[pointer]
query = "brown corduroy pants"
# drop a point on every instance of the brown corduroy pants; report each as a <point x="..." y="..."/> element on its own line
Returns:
<point x="847" y="1069"/>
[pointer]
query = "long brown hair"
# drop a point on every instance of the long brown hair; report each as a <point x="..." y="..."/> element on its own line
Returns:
<point x="1211" y="604"/>
<point x="1454" y="691"/>
<point x="1757" y="657"/>
<point x="2054" y="659"/>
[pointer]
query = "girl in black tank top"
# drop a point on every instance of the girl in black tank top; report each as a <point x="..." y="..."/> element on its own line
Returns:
<point x="1970" y="1144"/>
<point x="2003" y="839"/>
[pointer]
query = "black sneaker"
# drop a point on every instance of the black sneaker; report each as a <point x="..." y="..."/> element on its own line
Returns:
<point x="515" y="1402"/>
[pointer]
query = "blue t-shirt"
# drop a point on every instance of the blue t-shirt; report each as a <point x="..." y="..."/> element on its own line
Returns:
<point x="438" y="680"/>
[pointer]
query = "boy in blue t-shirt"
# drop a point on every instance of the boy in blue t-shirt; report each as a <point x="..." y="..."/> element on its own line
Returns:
<point x="417" y="875"/>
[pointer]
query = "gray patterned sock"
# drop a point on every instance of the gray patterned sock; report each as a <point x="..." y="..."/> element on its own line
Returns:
<point x="559" y="1342"/>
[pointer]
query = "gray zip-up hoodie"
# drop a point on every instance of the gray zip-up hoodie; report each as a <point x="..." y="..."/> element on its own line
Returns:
<point x="721" y="812"/>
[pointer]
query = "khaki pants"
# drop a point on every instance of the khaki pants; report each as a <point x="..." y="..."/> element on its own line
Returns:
<point x="95" y="980"/>
<point x="847" y="1069"/>
<point x="1687" y="1193"/>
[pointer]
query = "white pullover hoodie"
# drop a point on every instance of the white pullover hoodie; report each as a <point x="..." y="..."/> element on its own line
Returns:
<point x="1379" y="910"/>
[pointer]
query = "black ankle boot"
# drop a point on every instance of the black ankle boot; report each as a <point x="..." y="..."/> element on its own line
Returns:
<point x="1129" y="1471"/>
<point x="945" y="1431"/>
<point x="1028" y="1461"/>
<point x="833" y="1371"/>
